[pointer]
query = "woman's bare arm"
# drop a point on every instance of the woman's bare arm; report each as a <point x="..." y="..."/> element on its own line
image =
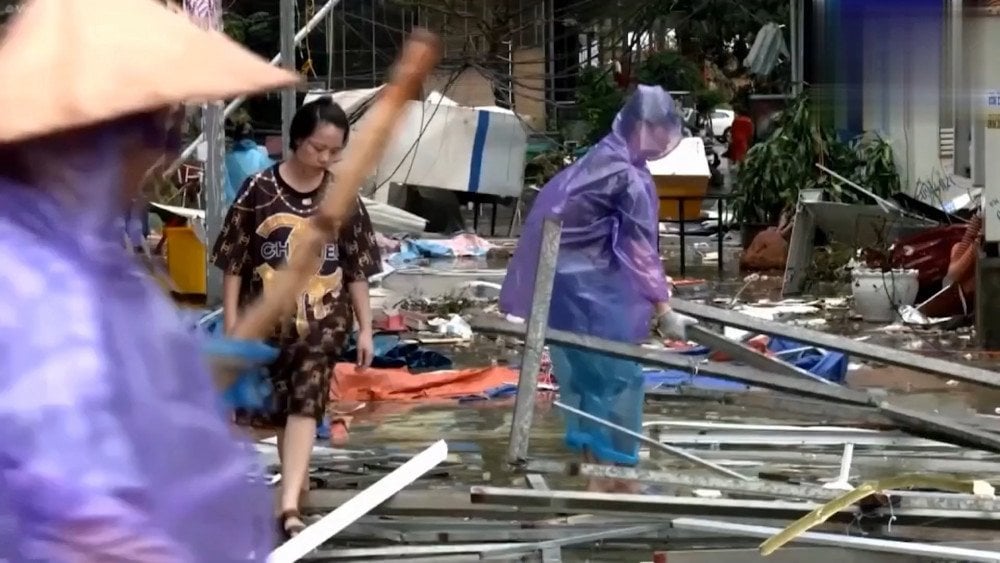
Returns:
<point x="362" y="303"/>
<point x="230" y="301"/>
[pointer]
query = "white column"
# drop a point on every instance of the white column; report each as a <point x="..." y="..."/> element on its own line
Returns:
<point x="923" y="89"/>
<point x="875" y="76"/>
<point x="959" y="91"/>
<point x="986" y="110"/>
<point x="978" y="82"/>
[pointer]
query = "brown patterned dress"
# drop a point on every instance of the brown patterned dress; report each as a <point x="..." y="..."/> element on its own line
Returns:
<point x="258" y="231"/>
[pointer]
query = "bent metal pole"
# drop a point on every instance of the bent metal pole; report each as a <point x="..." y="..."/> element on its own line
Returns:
<point x="534" y="342"/>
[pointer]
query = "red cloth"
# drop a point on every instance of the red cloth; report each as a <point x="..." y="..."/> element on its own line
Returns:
<point x="739" y="138"/>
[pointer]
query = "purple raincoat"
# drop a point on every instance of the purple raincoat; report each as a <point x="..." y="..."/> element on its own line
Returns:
<point x="112" y="443"/>
<point x="608" y="275"/>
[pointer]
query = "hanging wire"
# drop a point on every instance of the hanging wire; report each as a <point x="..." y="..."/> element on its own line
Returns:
<point x="424" y="124"/>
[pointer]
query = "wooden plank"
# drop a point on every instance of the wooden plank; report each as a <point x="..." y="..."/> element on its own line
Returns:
<point x="361" y="504"/>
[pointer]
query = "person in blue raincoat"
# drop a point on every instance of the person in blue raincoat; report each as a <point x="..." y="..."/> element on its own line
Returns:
<point x="243" y="159"/>
<point x="609" y="280"/>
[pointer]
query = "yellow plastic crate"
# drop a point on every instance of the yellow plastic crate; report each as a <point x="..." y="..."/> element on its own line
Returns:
<point x="186" y="257"/>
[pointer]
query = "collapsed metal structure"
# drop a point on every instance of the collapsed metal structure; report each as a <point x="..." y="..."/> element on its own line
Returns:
<point x="749" y="496"/>
<point x="719" y="487"/>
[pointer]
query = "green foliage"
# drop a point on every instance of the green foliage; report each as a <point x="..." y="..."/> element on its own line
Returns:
<point x="598" y="99"/>
<point x="241" y="28"/>
<point x="670" y="71"/>
<point x="540" y="169"/>
<point x="708" y="99"/>
<point x="720" y="31"/>
<point x="776" y="170"/>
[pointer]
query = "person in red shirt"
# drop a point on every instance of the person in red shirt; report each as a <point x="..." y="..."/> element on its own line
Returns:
<point x="741" y="133"/>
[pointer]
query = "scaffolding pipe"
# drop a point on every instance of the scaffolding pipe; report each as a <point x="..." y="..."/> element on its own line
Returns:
<point x="235" y="104"/>
<point x="288" y="43"/>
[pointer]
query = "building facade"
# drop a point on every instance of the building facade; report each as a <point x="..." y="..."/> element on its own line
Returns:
<point x="914" y="71"/>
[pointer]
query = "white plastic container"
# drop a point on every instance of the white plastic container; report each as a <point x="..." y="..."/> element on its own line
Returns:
<point x="878" y="295"/>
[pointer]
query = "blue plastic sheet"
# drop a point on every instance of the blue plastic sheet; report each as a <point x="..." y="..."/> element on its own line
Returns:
<point x="416" y="249"/>
<point x="243" y="160"/>
<point x="252" y="389"/>
<point x="831" y="366"/>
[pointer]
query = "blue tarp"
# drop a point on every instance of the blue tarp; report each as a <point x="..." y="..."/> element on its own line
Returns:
<point x="415" y="249"/>
<point x="831" y="366"/>
<point x="252" y="389"/>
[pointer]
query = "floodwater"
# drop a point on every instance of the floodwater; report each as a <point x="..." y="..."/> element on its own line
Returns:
<point x="478" y="432"/>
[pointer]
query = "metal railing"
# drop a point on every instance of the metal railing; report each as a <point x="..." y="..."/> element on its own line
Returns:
<point x="682" y="225"/>
<point x="682" y="233"/>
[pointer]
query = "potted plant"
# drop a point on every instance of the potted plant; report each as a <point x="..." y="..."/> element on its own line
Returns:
<point x="776" y="170"/>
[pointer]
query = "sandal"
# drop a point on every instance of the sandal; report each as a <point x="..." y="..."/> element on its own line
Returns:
<point x="289" y="531"/>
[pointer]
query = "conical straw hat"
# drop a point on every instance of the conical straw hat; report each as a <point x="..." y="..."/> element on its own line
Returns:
<point x="70" y="63"/>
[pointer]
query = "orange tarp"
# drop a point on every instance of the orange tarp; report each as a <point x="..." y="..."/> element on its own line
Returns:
<point x="350" y="383"/>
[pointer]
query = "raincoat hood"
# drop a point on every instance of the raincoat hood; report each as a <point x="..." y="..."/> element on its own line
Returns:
<point x="649" y="126"/>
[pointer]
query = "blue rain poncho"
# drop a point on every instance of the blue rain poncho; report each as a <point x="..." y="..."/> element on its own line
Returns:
<point x="243" y="160"/>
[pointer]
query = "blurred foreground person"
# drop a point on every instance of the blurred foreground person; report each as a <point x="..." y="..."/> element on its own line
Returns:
<point x="113" y="446"/>
<point x="609" y="279"/>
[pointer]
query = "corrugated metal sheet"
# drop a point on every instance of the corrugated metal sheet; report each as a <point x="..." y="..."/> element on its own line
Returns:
<point x="768" y="48"/>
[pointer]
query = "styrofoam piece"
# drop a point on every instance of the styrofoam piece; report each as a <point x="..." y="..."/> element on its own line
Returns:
<point x="688" y="159"/>
<point x="360" y="505"/>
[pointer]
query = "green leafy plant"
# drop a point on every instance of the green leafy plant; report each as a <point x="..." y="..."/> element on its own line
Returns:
<point x="776" y="170"/>
<point x="708" y="99"/>
<point x="540" y="169"/>
<point x="598" y="99"/>
<point x="242" y="27"/>
<point x="876" y="169"/>
<point x="670" y="71"/>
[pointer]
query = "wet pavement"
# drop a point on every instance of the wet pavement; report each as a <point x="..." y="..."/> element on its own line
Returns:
<point x="477" y="432"/>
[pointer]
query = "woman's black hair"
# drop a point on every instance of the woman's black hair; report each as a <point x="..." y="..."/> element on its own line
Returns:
<point x="311" y="115"/>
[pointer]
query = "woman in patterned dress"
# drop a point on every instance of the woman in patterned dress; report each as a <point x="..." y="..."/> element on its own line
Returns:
<point x="257" y="237"/>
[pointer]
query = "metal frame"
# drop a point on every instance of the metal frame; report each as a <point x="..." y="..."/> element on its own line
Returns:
<point x="617" y="503"/>
<point x="534" y="345"/>
<point x="654" y="444"/>
<point x="760" y="488"/>
<point x="742" y="353"/>
<point x="863" y="350"/>
<point x="914" y="422"/>
<point x="234" y="105"/>
<point x="287" y="9"/>
<point x="845" y="541"/>
<point x="682" y="225"/>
